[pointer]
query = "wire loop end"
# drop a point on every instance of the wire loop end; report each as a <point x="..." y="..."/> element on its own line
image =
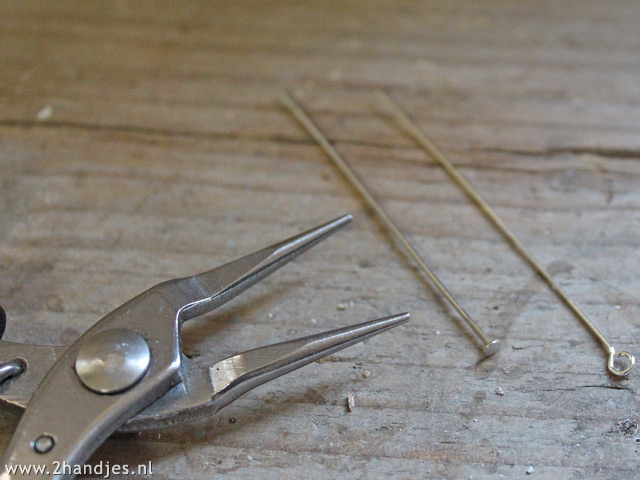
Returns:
<point x="614" y="358"/>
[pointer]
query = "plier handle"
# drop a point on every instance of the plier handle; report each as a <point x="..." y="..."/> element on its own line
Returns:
<point x="128" y="372"/>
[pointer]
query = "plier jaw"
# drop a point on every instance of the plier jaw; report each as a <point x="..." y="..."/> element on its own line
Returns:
<point x="127" y="372"/>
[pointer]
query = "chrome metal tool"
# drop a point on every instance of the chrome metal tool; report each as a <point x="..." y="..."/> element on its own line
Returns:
<point x="128" y="372"/>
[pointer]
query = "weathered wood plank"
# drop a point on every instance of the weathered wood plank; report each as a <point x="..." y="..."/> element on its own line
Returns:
<point x="166" y="151"/>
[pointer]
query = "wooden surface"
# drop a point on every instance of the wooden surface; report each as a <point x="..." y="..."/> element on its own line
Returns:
<point x="164" y="151"/>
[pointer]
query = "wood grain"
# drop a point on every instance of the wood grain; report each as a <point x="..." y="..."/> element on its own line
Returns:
<point x="167" y="152"/>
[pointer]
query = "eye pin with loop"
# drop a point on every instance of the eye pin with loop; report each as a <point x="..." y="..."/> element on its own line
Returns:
<point x="412" y="129"/>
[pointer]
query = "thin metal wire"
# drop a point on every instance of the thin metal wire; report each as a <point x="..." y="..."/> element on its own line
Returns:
<point x="490" y="347"/>
<point x="403" y="119"/>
